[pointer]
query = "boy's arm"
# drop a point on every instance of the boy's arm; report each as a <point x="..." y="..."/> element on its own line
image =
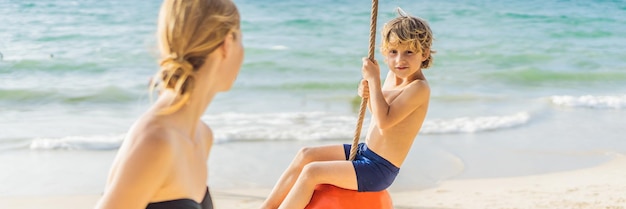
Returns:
<point x="389" y="80"/>
<point x="386" y="85"/>
<point x="411" y="98"/>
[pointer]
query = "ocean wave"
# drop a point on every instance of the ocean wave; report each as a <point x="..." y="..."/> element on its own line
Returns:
<point x="13" y="144"/>
<point x="305" y="22"/>
<point x="78" y="143"/>
<point x="52" y="65"/>
<point x="279" y="47"/>
<point x="533" y="76"/>
<point x="299" y="126"/>
<point x="475" y="124"/>
<point x="589" y="101"/>
<point x="348" y="85"/>
<point x="109" y="94"/>
<point x="327" y="126"/>
<point x="303" y="126"/>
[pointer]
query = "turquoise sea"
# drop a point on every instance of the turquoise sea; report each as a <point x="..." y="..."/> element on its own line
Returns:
<point x="518" y="87"/>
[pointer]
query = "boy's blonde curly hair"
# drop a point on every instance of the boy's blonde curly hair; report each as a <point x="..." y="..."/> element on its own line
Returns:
<point x="410" y="30"/>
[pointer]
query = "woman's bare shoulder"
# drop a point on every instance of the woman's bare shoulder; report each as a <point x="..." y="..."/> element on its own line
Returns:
<point x="151" y="133"/>
<point x="141" y="167"/>
<point x="207" y="133"/>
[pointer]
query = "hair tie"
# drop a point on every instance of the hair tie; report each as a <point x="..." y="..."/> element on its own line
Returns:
<point x="178" y="69"/>
<point x="175" y="63"/>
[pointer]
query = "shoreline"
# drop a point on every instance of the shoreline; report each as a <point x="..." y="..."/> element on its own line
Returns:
<point x="599" y="186"/>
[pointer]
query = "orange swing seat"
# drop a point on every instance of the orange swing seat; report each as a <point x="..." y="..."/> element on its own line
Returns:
<point x="327" y="196"/>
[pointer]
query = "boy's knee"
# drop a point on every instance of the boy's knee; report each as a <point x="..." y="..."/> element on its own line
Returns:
<point x="311" y="172"/>
<point x="305" y="155"/>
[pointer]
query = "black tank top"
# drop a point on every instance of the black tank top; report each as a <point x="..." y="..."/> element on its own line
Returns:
<point x="206" y="203"/>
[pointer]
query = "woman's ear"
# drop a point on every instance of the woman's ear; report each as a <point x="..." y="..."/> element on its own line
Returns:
<point x="227" y="44"/>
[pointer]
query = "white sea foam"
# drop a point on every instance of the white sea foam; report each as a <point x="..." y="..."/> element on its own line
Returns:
<point x="78" y="143"/>
<point x="474" y="124"/>
<point x="304" y="126"/>
<point x="328" y="126"/>
<point x="299" y="126"/>
<point x="279" y="47"/>
<point x="589" y="101"/>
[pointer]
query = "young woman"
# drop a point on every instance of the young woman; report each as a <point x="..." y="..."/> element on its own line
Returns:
<point x="163" y="160"/>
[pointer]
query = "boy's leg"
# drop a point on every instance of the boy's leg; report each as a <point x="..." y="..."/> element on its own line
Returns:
<point x="338" y="173"/>
<point x="305" y="156"/>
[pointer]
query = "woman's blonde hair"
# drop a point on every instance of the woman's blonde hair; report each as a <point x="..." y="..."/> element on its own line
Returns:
<point x="188" y="31"/>
<point x="409" y="30"/>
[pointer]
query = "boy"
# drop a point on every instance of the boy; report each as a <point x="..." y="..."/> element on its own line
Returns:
<point x="398" y="110"/>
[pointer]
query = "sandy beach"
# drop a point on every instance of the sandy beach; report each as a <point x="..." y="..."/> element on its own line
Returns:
<point x="598" y="187"/>
<point x="527" y="107"/>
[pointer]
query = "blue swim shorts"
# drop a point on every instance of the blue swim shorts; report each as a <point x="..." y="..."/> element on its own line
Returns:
<point x="373" y="172"/>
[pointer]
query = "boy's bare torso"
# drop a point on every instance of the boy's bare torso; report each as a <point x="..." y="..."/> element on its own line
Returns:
<point x="395" y="142"/>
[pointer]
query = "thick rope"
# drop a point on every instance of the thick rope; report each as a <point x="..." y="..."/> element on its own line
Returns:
<point x="359" y="124"/>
